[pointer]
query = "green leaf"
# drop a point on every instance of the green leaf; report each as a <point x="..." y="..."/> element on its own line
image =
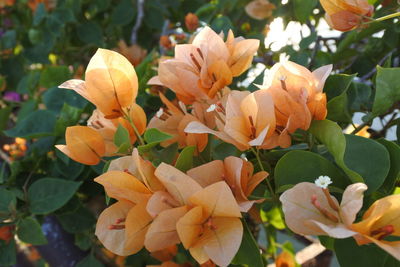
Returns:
<point x="89" y="261"/>
<point x="360" y="153"/>
<point x="154" y="135"/>
<point x="8" y="253"/>
<point x="222" y="23"/>
<point x="185" y="159"/>
<point x="304" y="166"/>
<point x="54" y="76"/>
<point x="394" y="172"/>
<point x="338" y="106"/>
<point x="90" y="33"/>
<point x="68" y="116"/>
<point x="83" y="241"/>
<point x="330" y="134"/>
<point x="303" y="9"/>
<point x="249" y="253"/>
<point x="69" y="170"/>
<point x="39" y="14"/>
<point x="121" y="136"/>
<point x="37" y="124"/>
<point x="7" y="202"/>
<point x="82" y="215"/>
<point x="49" y="194"/>
<point x="273" y="217"/>
<point x="123" y="13"/>
<point x="29" y="231"/>
<point x="387" y="90"/>
<point x="4" y="117"/>
<point x="349" y="254"/>
<point x="55" y="98"/>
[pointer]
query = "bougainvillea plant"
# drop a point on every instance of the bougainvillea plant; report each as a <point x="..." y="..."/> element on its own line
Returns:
<point x="208" y="150"/>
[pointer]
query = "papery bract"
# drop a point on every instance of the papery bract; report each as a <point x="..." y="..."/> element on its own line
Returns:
<point x="201" y="69"/>
<point x="246" y="120"/>
<point x="83" y="145"/>
<point x="380" y="221"/>
<point x="172" y="120"/>
<point x="345" y="15"/>
<point x="310" y="211"/>
<point x="110" y="83"/>
<point x="212" y="229"/>
<point x="236" y="172"/>
<point x="122" y="227"/>
<point x="297" y="95"/>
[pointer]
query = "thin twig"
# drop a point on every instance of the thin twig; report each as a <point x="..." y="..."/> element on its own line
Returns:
<point x="372" y="72"/>
<point x="139" y="20"/>
<point x="5" y="157"/>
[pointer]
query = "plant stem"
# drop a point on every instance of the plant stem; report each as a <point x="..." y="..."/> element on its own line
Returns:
<point x="128" y="118"/>
<point x="397" y="14"/>
<point x="257" y="154"/>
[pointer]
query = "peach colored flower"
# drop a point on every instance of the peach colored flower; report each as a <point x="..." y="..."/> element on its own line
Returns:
<point x="236" y="172"/>
<point x="122" y="227"/>
<point x="212" y="228"/>
<point x="259" y="9"/>
<point x="167" y="207"/>
<point x="201" y="69"/>
<point x="246" y="120"/>
<point x="83" y="144"/>
<point x="380" y="221"/>
<point x="108" y="127"/>
<point x="297" y="95"/>
<point x="345" y="15"/>
<point x="311" y="210"/>
<point x="110" y="83"/>
<point x="173" y="119"/>
<point x="142" y="169"/>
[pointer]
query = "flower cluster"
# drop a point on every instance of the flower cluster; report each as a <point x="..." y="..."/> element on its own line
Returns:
<point x="311" y="210"/>
<point x="158" y="208"/>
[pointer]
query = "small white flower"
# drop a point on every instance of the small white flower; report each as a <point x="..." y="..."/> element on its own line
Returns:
<point x="211" y="108"/>
<point x="323" y="181"/>
<point x="160" y="112"/>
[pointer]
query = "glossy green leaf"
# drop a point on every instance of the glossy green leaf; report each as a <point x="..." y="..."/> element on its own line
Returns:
<point x="338" y="105"/>
<point x="49" y="194"/>
<point x="185" y="159"/>
<point x="29" y="231"/>
<point x="89" y="261"/>
<point x="303" y="9"/>
<point x="349" y="254"/>
<point x="360" y="153"/>
<point x="154" y="135"/>
<point x="121" y="136"/>
<point x="54" y="76"/>
<point x="249" y="253"/>
<point x="82" y="215"/>
<point x="7" y="202"/>
<point x="91" y="33"/>
<point x="54" y="98"/>
<point x="36" y="124"/>
<point x="394" y="172"/>
<point x="123" y="13"/>
<point x="304" y="166"/>
<point x="273" y="217"/>
<point x="387" y="90"/>
<point x="330" y="134"/>
<point x="8" y="253"/>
